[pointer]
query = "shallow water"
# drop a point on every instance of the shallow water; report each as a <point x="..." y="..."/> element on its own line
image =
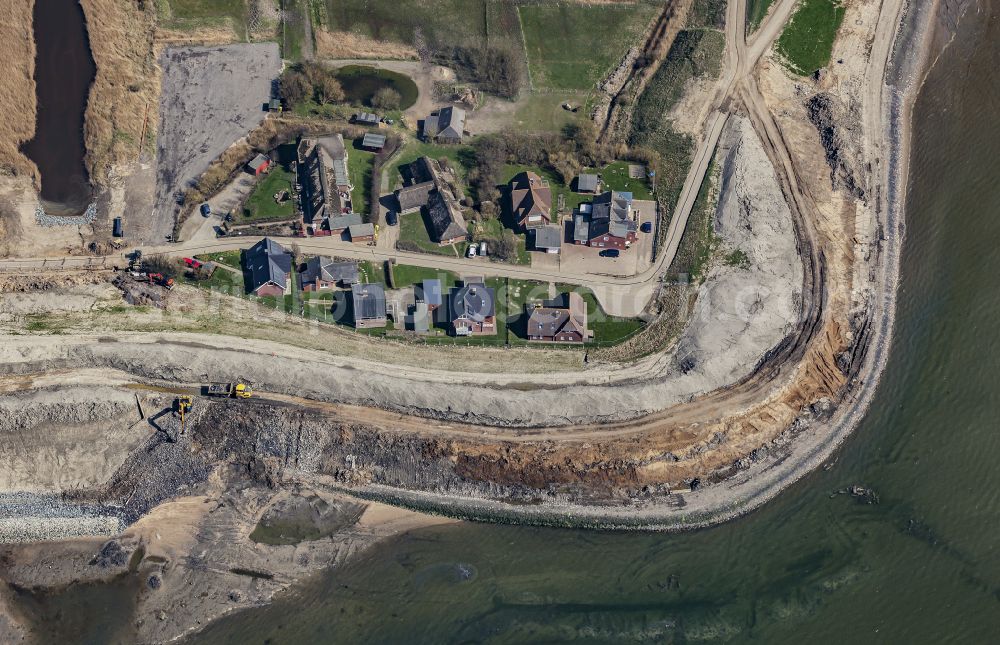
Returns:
<point x="920" y="566"/>
<point x="64" y="70"/>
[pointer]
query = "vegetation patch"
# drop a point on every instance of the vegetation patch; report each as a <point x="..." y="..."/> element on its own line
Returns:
<point x="571" y="46"/>
<point x="261" y="205"/>
<point x="694" y="54"/>
<point x="807" y="42"/>
<point x="194" y="14"/>
<point x="698" y="243"/>
<point x="413" y="236"/>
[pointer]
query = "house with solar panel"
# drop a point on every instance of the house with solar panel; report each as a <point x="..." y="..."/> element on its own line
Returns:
<point x="368" y="305"/>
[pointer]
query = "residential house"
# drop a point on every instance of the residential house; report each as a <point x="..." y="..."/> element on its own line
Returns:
<point x="269" y="268"/>
<point x="373" y="142"/>
<point x="323" y="174"/>
<point x="368" y="302"/>
<point x="366" y="118"/>
<point x="447" y="125"/>
<point x="447" y="224"/>
<point x="547" y="238"/>
<point x="472" y="310"/>
<point x="562" y="320"/>
<point x="430" y="293"/>
<point x="361" y="232"/>
<point x="258" y="165"/>
<point x="322" y="273"/>
<point x="608" y="222"/>
<point x="340" y="223"/>
<point x="531" y="200"/>
<point x="587" y="183"/>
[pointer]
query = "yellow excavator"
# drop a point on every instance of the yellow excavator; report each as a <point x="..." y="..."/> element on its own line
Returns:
<point x="183" y="405"/>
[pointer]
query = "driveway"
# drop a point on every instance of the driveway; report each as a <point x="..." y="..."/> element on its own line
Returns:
<point x="198" y="228"/>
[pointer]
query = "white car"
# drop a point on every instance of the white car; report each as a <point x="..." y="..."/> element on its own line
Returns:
<point x="472" y="251"/>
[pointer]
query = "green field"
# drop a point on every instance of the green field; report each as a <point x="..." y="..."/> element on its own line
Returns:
<point x="441" y="23"/>
<point x="756" y="10"/>
<point x="543" y="111"/>
<point x="573" y="46"/>
<point x="194" y="14"/>
<point x="261" y="205"/>
<point x="807" y="41"/>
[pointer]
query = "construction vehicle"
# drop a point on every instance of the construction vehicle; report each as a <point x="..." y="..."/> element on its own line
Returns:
<point x="239" y="390"/>
<point x="183" y="405"/>
<point x="162" y="280"/>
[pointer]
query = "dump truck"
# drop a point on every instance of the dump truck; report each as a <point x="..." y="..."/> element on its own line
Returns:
<point x="240" y="389"/>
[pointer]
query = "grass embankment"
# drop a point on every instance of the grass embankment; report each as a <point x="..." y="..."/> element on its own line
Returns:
<point x="190" y="15"/>
<point x="17" y="93"/>
<point x="756" y="10"/>
<point x="698" y="244"/>
<point x="694" y="54"/>
<point x="573" y="46"/>
<point x="807" y="42"/>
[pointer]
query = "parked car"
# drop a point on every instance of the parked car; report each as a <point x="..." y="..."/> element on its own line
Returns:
<point x="391" y="218"/>
<point x="191" y="262"/>
<point x="610" y="253"/>
<point x="647" y="227"/>
<point x="206" y="210"/>
<point x="472" y="251"/>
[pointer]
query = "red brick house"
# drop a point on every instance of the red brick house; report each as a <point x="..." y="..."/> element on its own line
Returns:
<point x="563" y="320"/>
<point x="269" y="267"/>
<point x="530" y="200"/>
<point x="607" y="222"/>
<point x="472" y="310"/>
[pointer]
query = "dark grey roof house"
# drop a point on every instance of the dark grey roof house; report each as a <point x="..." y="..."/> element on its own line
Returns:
<point x="447" y="126"/>
<point x="612" y="214"/>
<point x="322" y="273"/>
<point x="368" y="301"/>
<point x="269" y="267"/>
<point x="413" y="197"/>
<point x="472" y="309"/>
<point x="446" y="220"/>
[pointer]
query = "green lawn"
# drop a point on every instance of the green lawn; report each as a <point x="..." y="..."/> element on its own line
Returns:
<point x="231" y="258"/>
<point x="359" y="169"/>
<point x="615" y="177"/>
<point x="756" y="10"/>
<point x="412" y="230"/>
<point x="261" y="206"/>
<point x="807" y="41"/>
<point x="405" y="275"/>
<point x="371" y="272"/>
<point x="572" y="46"/>
<point x="543" y="111"/>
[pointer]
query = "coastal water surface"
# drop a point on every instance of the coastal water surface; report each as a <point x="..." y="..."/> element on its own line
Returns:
<point x="921" y="566"/>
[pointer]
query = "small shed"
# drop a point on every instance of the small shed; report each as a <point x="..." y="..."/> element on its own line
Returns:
<point x="361" y="232"/>
<point x="366" y="118"/>
<point x="587" y="183"/>
<point x="274" y="105"/>
<point x="258" y="165"/>
<point x="373" y="142"/>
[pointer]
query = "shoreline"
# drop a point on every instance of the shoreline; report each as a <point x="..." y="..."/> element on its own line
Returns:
<point x="901" y="81"/>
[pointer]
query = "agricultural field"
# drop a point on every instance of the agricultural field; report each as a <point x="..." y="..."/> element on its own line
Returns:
<point x="261" y="204"/>
<point x="807" y="42"/>
<point x="693" y="54"/>
<point x="197" y="14"/>
<point x="573" y="46"/>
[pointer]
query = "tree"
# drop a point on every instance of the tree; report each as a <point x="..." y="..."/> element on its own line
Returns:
<point x="386" y="98"/>
<point x="329" y="90"/>
<point x="506" y="246"/>
<point x="295" y="87"/>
